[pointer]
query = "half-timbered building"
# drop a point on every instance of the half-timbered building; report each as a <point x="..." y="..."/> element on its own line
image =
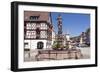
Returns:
<point x="37" y="30"/>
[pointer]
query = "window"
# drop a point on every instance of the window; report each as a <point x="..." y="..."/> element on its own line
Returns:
<point x="28" y="26"/>
<point x="30" y="34"/>
<point x="25" y="44"/>
<point x="43" y="34"/>
<point x="33" y="34"/>
<point x="43" y="26"/>
<point x="33" y="26"/>
<point x="34" y="17"/>
<point x="40" y="45"/>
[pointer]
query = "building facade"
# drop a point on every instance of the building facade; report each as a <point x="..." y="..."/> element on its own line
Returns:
<point x="37" y="30"/>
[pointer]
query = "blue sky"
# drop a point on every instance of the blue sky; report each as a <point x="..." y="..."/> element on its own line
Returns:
<point x="72" y="23"/>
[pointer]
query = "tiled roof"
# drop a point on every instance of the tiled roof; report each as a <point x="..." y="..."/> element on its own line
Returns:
<point x="42" y="16"/>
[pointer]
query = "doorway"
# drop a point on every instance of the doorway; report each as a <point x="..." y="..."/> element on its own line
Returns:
<point x="40" y="45"/>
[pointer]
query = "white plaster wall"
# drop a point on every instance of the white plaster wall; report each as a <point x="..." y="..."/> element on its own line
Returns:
<point x="32" y="44"/>
<point x="53" y="37"/>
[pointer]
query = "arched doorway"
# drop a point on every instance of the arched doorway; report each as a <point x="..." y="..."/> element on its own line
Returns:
<point x="40" y="45"/>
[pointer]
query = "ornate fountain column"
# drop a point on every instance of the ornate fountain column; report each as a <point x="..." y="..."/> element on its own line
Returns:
<point x="60" y="37"/>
